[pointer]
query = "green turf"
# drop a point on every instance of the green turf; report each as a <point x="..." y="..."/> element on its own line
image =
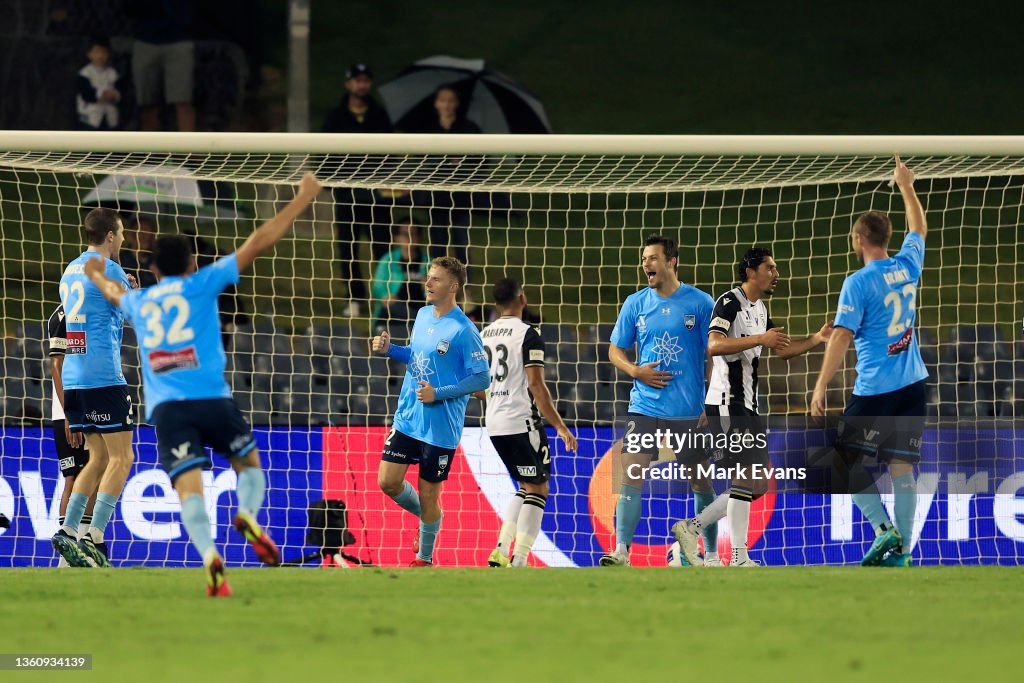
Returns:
<point x="782" y="624"/>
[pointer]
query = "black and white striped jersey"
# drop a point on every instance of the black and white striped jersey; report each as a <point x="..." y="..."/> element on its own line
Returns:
<point x="511" y="346"/>
<point x="734" y="376"/>
<point x="57" y="333"/>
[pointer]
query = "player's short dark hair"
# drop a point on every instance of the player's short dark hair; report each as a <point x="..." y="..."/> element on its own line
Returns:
<point x="506" y="290"/>
<point x="172" y="254"/>
<point x="753" y="259"/>
<point x="668" y="245"/>
<point x="454" y="266"/>
<point x="98" y="223"/>
<point x="875" y="227"/>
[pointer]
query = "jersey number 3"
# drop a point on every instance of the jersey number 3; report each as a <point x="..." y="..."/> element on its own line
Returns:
<point x="500" y="372"/>
<point x="178" y="332"/>
<point x="898" y="325"/>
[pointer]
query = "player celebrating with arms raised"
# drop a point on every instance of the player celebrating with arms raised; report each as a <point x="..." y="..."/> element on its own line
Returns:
<point x="740" y="329"/>
<point x="445" y="364"/>
<point x="877" y="310"/>
<point x="668" y="324"/>
<point x="187" y="398"/>
<point x="96" y="398"/>
<point x="515" y="403"/>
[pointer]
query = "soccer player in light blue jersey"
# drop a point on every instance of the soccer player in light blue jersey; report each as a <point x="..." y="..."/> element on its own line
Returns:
<point x="186" y="396"/>
<point x="668" y="324"/>
<point x="885" y="415"/>
<point x="96" y="397"/>
<point x="446" y="363"/>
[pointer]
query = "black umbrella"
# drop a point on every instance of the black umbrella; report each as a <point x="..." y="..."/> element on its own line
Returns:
<point x="489" y="99"/>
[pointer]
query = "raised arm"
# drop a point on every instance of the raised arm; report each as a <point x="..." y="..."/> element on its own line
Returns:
<point x="271" y="232"/>
<point x="904" y="179"/>
<point x="835" y="352"/>
<point x="112" y="290"/>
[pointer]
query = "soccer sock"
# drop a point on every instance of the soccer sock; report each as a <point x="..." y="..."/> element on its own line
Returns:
<point x="101" y="513"/>
<point x="627" y="514"/>
<point x="76" y="508"/>
<point x="508" y="526"/>
<point x="251" y="485"/>
<point x="714" y="512"/>
<point x="738" y="511"/>
<point x="408" y="498"/>
<point x="529" y="527"/>
<point x="83" y="526"/>
<point x="708" y="532"/>
<point x="197" y="524"/>
<point x="904" y="507"/>
<point x="428" y="536"/>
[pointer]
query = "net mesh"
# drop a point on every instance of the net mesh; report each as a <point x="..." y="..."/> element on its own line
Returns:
<point x="570" y="228"/>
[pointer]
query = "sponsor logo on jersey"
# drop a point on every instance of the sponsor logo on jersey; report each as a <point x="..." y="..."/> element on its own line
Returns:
<point x="181" y="450"/>
<point x="641" y="322"/>
<point x="166" y="361"/>
<point x="239" y="442"/>
<point x="442" y="347"/>
<point x="66" y="463"/>
<point x="846" y="308"/>
<point x="690" y="320"/>
<point x="442" y="461"/>
<point x="666" y="310"/>
<point x="902" y="344"/>
<point x="77" y="342"/>
<point x="98" y="417"/>
<point x="478" y="355"/>
<point x="530" y="471"/>
<point x="536" y="354"/>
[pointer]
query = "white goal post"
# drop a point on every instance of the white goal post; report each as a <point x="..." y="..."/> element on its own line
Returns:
<point x="566" y="215"/>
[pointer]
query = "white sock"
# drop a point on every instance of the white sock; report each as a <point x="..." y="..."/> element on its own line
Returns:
<point x="738" y="511"/>
<point x="61" y="563"/>
<point x="95" y="534"/>
<point x="622" y="549"/>
<point x="713" y="512"/>
<point x="508" y="526"/>
<point x="529" y="527"/>
<point x="83" y="528"/>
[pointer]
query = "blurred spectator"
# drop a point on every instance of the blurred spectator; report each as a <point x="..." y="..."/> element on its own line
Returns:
<point x="359" y="213"/>
<point x="398" y="279"/>
<point x="136" y="250"/>
<point x="98" y="91"/>
<point x="449" y="211"/>
<point x="163" y="60"/>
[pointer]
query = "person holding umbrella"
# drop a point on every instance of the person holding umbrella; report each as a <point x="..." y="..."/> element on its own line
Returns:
<point x="449" y="211"/>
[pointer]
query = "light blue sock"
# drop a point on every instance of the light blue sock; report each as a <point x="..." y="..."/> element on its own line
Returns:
<point x="73" y="513"/>
<point x="627" y="513"/>
<point x="905" y="490"/>
<point x="408" y="498"/>
<point x="251" y="485"/>
<point x="101" y="511"/>
<point x="428" y="536"/>
<point x="197" y="524"/>
<point x="709" y="532"/>
<point x="870" y="504"/>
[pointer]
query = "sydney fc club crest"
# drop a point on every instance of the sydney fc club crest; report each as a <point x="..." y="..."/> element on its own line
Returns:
<point x="690" y="320"/>
<point x="442" y="347"/>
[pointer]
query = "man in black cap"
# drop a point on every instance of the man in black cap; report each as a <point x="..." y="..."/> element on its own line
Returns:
<point x="354" y="208"/>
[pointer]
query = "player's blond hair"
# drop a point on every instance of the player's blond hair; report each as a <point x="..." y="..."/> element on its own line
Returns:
<point x="454" y="266"/>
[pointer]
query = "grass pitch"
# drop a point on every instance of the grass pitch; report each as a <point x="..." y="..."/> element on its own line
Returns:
<point x="823" y="623"/>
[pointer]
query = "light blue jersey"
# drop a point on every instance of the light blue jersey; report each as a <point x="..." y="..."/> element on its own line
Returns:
<point x="674" y="331"/>
<point x="878" y="303"/>
<point x="443" y="351"/>
<point x="178" y="326"/>
<point x="94" y="327"/>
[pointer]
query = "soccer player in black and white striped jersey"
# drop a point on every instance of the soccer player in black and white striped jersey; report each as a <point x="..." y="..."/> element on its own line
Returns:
<point x="517" y="399"/>
<point x="740" y="329"/>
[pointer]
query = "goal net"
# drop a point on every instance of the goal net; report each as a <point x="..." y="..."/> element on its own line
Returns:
<point x="566" y="216"/>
